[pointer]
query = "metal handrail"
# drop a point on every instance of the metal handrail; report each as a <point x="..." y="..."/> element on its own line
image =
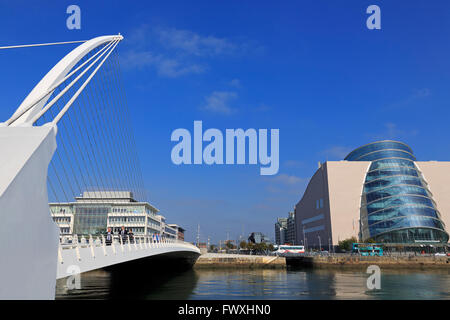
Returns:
<point x="138" y="241"/>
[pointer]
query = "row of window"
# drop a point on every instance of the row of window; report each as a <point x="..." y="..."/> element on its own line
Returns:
<point x="127" y="219"/>
<point x="61" y="219"/>
<point x="136" y="231"/>
<point x="127" y="210"/>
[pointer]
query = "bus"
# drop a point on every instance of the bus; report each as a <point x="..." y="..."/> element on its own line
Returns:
<point x="290" y="249"/>
<point x="367" y="249"/>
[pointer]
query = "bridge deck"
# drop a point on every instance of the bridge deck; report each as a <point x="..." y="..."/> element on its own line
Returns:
<point x="82" y="257"/>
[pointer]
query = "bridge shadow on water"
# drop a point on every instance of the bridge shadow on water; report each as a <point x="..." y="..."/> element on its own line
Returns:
<point x="168" y="276"/>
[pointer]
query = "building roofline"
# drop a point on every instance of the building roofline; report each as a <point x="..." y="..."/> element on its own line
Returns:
<point x="379" y="141"/>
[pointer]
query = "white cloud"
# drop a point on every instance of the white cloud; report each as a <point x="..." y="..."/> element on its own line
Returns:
<point x="287" y="179"/>
<point x="219" y="101"/>
<point x="166" y="67"/>
<point x="293" y="163"/>
<point x="411" y="100"/>
<point x="337" y="152"/>
<point x="174" y="52"/>
<point x="236" y="83"/>
<point x="391" y="131"/>
<point x="285" y="184"/>
<point x="193" y="43"/>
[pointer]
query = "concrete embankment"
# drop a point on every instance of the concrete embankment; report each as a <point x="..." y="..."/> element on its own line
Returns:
<point x="216" y="260"/>
<point x="390" y="262"/>
<point x="219" y="260"/>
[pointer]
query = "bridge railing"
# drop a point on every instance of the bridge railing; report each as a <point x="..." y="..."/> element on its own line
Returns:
<point x="71" y="241"/>
<point x="81" y="253"/>
<point x="117" y="243"/>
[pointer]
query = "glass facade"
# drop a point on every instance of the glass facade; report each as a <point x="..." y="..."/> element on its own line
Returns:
<point x="396" y="204"/>
<point x="90" y="219"/>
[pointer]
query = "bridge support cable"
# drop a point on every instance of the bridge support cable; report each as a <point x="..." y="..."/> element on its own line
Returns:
<point x="125" y="110"/>
<point x="96" y="149"/>
<point x="40" y="44"/>
<point x="90" y="116"/>
<point x="124" y="129"/>
<point x="96" y="146"/>
<point x="111" y="138"/>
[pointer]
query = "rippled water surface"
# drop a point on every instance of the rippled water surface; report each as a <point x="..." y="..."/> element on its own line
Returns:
<point x="259" y="284"/>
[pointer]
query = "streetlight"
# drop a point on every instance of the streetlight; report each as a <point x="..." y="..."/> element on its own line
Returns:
<point x="304" y="239"/>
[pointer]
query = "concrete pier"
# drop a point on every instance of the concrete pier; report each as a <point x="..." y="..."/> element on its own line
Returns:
<point x="223" y="260"/>
<point x="348" y="261"/>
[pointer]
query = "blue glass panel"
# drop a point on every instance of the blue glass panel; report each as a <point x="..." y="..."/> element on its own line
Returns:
<point x="391" y="172"/>
<point x="402" y="212"/>
<point x="384" y="163"/>
<point x="397" y="201"/>
<point x="386" y="154"/>
<point x="396" y="190"/>
<point x="405" y="222"/>
<point x="392" y="181"/>
<point x="380" y="145"/>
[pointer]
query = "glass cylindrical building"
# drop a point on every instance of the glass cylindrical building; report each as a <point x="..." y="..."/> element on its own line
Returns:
<point x="396" y="204"/>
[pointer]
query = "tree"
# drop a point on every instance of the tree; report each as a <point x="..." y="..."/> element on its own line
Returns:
<point x="371" y="240"/>
<point x="243" y="245"/>
<point x="346" y="244"/>
<point x="229" y="244"/>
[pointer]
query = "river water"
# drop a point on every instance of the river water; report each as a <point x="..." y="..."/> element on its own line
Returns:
<point x="259" y="284"/>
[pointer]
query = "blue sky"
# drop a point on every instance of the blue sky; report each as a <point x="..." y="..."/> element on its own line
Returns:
<point x="309" y="68"/>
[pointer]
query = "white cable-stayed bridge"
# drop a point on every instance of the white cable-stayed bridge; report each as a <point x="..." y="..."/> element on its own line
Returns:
<point x="70" y="135"/>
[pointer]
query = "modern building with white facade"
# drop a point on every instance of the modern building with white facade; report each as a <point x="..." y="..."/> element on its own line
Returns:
<point x="95" y="211"/>
<point x="280" y="230"/>
<point x="379" y="192"/>
<point x="285" y="229"/>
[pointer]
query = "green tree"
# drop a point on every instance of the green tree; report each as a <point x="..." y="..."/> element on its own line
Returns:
<point x="229" y="244"/>
<point x="243" y="245"/>
<point x="346" y="244"/>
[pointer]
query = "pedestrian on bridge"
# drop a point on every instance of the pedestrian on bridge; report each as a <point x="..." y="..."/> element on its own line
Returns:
<point x="109" y="237"/>
<point x="123" y="234"/>
<point x="131" y="235"/>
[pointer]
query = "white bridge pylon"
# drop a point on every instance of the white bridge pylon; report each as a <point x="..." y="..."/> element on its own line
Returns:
<point x="30" y="262"/>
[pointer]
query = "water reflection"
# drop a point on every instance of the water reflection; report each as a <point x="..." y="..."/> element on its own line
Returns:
<point x="258" y="284"/>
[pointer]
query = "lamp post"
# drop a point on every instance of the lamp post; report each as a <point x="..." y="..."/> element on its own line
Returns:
<point x="304" y="239"/>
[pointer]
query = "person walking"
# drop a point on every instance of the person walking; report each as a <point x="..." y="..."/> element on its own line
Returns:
<point x="109" y="237"/>
<point x="131" y="235"/>
<point x="123" y="234"/>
